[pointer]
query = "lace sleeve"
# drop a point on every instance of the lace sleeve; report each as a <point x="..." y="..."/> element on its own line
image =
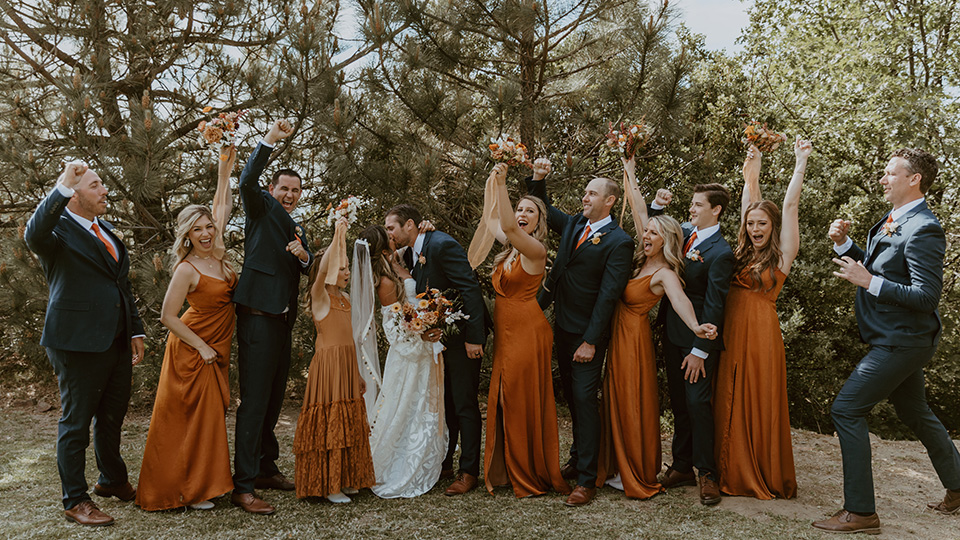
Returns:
<point x="404" y="344"/>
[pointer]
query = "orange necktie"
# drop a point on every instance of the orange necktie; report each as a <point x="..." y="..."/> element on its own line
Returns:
<point x="586" y="232"/>
<point x="689" y="244"/>
<point x="109" y="246"/>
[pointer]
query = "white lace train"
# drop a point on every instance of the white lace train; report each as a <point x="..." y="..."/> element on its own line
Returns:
<point x="408" y="437"/>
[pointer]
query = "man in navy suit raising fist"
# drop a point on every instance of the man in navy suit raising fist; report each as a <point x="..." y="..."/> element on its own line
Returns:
<point x="899" y="278"/>
<point x="92" y="333"/>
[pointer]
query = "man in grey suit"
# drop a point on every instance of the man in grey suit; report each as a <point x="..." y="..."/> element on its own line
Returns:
<point x="899" y="279"/>
<point x="92" y="333"/>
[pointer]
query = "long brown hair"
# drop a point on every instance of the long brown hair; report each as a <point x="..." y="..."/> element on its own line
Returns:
<point x="378" y="242"/>
<point x="182" y="247"/>
<point x="765" y="259"/>
<point x="539" y="232"/>
<point x="672" y="234"/>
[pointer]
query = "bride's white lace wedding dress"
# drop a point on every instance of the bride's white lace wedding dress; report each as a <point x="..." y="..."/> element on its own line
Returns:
<point x="408" y="436"/>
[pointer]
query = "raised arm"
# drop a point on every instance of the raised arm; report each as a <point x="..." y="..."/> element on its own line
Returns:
<point x="222" y="199"/>
<point x="319" y="301"/>
<point x="39" y="234"/>
<point x="751" y="180"/>
<point x="631" y="191"/>
<point x="556" y="219"/>
<point x="532" y="252"/>
<point x="250" y="193"/>
<point x="790" y="228"/>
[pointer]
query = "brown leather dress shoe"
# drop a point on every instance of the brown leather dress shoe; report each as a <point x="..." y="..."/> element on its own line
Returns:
<point x="949" y="505"/>
<point x="251" y="503"/>
<point x="464" y="483"/>
<point x="671" y="478"/>
<point x="709" y="491"/>
<point x="126" y="492"/>
<point x="277" y="481"/>
<point x="568" y="472"/>
<point x="580" y="496"/>
<point x="844" y="522"/>
<point x="87" y="513"/>
<point x="446" y="474"/>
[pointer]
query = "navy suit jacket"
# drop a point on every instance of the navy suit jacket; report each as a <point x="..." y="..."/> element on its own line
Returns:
<point x="585" y="282"/>
<point x="90" y="294"/>
<point x="910" y="261"/>
<point x="446" y="267"/>
<point x="270" y="280"/>
<point x="706" y="284"/>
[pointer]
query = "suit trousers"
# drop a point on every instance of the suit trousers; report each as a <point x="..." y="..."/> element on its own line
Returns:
<point x="461" y="383"/>
<point x="895" y="373"/>
<point x="263" y="361"/>
<point x="581" y="385"/>
<point x="94" y="388"/>
<point x="692" y="405"/>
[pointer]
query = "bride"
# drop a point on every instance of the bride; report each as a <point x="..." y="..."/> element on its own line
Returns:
<point x="408" y="435"/>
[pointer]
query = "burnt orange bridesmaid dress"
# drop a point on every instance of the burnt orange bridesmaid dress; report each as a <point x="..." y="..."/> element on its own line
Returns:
<point x="522" y="445"/>
<point x="186" y="459"/>
<point x="630" y="410"/>
<point x="331" y="446"/>
<point x="754" y="452"/>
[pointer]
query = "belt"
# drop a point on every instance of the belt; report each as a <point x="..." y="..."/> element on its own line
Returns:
<point x="247" y="310"/>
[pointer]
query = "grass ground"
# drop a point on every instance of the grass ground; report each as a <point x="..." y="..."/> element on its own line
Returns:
<point x="30" y="489"/>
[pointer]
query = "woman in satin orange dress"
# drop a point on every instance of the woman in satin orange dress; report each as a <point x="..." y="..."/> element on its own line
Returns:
<point x="331" y="445"/>
<point x="754" y="452"/>
<point x="522" y="443"/>
<point x="186" y="461"/>
<point x="630" y="411"/>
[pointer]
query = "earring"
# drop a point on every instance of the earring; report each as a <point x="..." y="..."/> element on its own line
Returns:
<point x="186" y="242"/>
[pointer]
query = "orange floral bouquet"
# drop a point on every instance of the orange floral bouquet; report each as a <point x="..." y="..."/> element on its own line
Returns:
<point x="219" y="132"/>
<point x="764" y="138"/>
<point x="628" y="139"/>
<point x="347" y="208"/>
<point x="431" y="310"/>
<point x="509" y="151"/>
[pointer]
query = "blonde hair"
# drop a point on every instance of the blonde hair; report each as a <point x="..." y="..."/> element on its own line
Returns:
<point x="672" y="235"/>
<point x="182" y="246"/>
<point x="539" y="232"/>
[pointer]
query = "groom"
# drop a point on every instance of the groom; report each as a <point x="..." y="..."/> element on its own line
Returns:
<point x="899" y="279"/>
<point x="437" y="261"/>
<point x="588" y="276"/>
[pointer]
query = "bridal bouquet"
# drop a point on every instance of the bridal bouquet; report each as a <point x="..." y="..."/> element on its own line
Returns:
<point x="628" y="139"/>
<point x="508" y="150"/>
<point x="347" y="208"/>
<point x="431" y="310"/>
<point x="219" y="132"/>
<point x="764" y="138"/>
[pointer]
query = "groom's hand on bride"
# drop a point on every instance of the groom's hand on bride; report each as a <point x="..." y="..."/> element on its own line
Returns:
<point x="473" y="350"/>
<point x="584" y="353"/>
<point x="426" y="226"/>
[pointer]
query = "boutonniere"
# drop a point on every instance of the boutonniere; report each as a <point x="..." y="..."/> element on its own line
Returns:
<point x="890" y="228"/>
<point x="694" y="255"/>
<point x="421" y="259"/>
<point x="595" y="239"/>
<point x="298" y="232"/>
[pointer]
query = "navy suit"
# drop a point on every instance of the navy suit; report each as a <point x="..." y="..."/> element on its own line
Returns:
<point x="266" y="298"/>
<point x="902" y="326"/>
<point x="584" y="285"/>
<point x="706" y="283"/>
<point x="91" y="317"/>
<point x="446" y="267"/>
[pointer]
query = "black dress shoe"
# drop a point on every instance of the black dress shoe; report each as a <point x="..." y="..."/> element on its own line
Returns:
<point x="277" y="481"/>
<point x="568" y="472"/>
